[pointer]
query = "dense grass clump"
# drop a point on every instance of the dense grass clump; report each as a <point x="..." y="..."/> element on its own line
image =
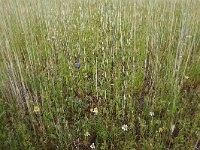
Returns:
<point x="104" y="74"/>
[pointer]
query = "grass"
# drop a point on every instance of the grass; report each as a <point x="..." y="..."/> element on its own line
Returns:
<point x="139" y="66"/>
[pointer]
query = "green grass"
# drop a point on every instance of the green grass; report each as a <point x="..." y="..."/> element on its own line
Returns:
<point x="136" y="57"/>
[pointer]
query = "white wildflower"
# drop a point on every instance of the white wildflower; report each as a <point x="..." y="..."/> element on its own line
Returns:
<point x="151" y="113"/>
<point x="125" y="127"/>
<point x="92" y="146"/>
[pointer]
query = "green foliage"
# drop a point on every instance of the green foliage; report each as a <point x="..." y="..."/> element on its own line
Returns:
<point x="139" y="66"/>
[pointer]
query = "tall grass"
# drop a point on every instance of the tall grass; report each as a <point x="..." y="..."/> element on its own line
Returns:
<point x="139" y="66"/>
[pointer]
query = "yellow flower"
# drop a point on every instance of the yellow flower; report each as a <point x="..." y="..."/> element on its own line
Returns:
<point x="186" y="77"/>
<point x="94" y="110"/>
<point x="161" y="130"/>
<point x="36" y="108"/>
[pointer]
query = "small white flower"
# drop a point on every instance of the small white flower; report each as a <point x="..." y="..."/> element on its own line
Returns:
<point x="87" y="133"/>
<point x="151" y="113"/>
<point x="125" y="127"/>
<point x="92" y="146"/>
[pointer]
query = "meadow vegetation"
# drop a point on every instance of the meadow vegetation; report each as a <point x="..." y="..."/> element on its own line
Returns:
<point x="99" y="74"/>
